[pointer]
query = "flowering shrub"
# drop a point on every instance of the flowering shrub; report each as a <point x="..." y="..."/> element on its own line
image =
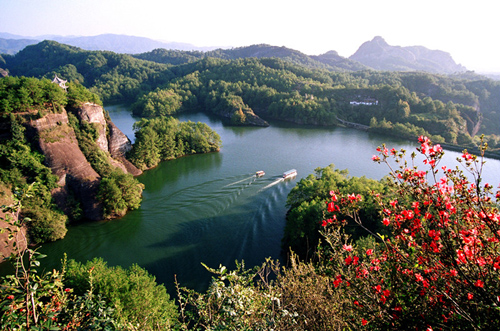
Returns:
<point x="439" y="268"/>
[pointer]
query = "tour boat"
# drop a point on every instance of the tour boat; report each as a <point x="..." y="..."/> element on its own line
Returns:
<point x="260" y="173"/>
<point x="290" y="174"/>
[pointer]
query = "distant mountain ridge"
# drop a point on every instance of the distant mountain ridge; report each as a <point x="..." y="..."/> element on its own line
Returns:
<point x="379" y="55"/>
<point x="12" y="46"/>
<point x="104" y="42"/>
<point x="375" y="54"/>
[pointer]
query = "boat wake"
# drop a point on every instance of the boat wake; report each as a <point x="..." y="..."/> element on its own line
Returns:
<point x="272" y="184"/>
<point x="237" y="182"/>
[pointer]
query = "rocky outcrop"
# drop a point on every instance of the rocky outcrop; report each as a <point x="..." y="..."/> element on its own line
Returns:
<point x="119" y="145"/>
<point x="93" y="113"/>
<point x="110" y="139"/>
<point x="253" y="119"/>
<point x="57" y="141"/>
<point x="378" y="54"/>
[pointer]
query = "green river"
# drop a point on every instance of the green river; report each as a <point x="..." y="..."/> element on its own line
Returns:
<point x="212" y="209"/>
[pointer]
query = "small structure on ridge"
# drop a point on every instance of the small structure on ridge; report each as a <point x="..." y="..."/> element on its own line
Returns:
<point x="60" y="82"/>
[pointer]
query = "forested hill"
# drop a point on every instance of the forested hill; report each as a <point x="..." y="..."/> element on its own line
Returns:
<point x="329" y="61"/>
<point x="453" y="109"/>
<point x="115" y="77"/>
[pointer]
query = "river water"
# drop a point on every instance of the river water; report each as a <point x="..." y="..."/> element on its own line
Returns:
<point x="212" y="209"/>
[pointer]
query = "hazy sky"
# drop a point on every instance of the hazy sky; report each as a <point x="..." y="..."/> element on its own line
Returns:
<point x="468" y="30"/>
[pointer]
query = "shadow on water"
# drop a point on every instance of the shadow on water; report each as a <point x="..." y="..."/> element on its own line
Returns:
<point x="240" y="234"/>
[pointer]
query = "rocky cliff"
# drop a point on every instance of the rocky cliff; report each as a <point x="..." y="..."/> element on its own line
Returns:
<point x="57" y="141"/>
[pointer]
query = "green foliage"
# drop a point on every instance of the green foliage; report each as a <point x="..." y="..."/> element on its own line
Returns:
<point x="299" y="297"/>
<point x="158" y="103"/>
<point x="139" y="303"/>
<point x="19" y="167"/>
<point x="23" y="94"/>
<point x="30" y="300"/>
<point x="306" y="202"/>
<point x="78" y="95"/>
<point x="165" y="138"/>
<point x="47" y="224"/>
<point x="234" y="301"/>
<point x="119" y="192"/>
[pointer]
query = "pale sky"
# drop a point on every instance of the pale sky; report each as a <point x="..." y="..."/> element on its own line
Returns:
<point x="468" y="30"/>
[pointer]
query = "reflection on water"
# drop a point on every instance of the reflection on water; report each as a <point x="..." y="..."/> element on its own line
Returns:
<point x="212" y="209"/>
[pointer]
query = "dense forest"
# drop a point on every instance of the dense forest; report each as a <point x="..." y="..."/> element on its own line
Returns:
<point x="165" y="138"/>
<point x="453" y="109"/>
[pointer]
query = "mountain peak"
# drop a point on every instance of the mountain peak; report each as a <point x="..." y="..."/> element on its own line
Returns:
<point x="378" y="54"/>
<point x="379" y="40"/>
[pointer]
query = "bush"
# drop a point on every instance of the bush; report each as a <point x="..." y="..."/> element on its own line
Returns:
<point x="119" y="192"/>
<point x="45" y="224"/>
<point x="139" y="302"/>
<point x="440" y="266"/>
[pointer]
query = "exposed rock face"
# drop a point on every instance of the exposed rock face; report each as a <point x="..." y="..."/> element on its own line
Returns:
<point x="57" y="141"/>
<point x="378" y="54"/>
<point x="110" y="140"/>
<point x="93" y="113"/>
<point x="119" y="145"/>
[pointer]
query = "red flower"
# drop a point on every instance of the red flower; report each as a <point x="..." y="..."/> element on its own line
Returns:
<point x="10" y="297"/>
<point x="363" y="321"/>
<point x="337" y="281"/>
<point x="355" y="260"/>
<point x="67" y="289"/>
<point x="479" y="283"/>
<point x="347" y="247"/>
<point x="470" y="296"/>
<point x="375" y="158"/>
<point x="348" y="260"/>
<point x="369" y="252"/>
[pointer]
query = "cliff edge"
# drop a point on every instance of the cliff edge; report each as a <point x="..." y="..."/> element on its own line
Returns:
<point x="57" y="140"/>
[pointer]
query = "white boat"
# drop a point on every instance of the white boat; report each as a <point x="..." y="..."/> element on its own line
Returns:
<point x="290" y="174"/>
<point x="260" y="173"/>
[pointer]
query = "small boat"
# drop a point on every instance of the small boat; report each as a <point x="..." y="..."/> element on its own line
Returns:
<point x="290" y="174"/>
<point x="260" y="173"/>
